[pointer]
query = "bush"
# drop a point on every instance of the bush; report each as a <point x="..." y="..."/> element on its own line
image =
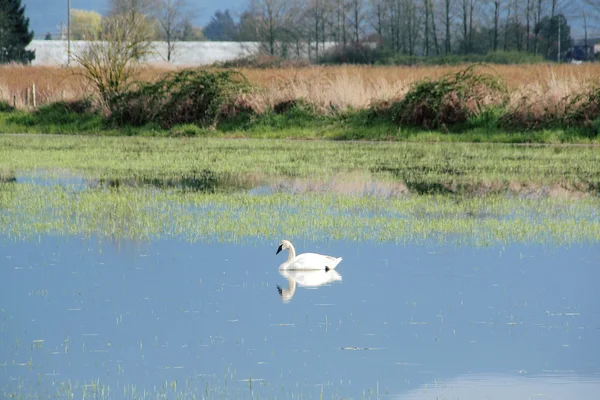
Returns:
<point x="300" y="106"/>
<point x="367" y="55"/>
<point x="352" y="54"/>
<point x="450" y="100"/>
<point x="64" y="117"/>
<point x="188" y="96"/>
<point x="578" y="111"/>
<point x="512" y="57"/>
<point x="79" y="106"/>
<point x="6" y="107"/>
<point x="583" y="109"/>
<point x="265" y="61"/>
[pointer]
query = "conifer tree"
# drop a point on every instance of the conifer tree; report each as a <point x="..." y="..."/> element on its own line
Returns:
<point x="14" y="33"/>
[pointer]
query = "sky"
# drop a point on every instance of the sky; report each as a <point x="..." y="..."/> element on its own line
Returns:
<point x="46" y="15"/>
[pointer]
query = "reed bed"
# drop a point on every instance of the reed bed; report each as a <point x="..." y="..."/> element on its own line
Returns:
<point x="538" y="85"/>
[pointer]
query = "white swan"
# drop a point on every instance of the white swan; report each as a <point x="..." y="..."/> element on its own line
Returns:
<point x="306" y="261"/>
<point x="312" y="278"/>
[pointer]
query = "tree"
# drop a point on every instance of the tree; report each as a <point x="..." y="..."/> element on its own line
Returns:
<point x="585" y="37"/>
<point x="553" y="45"/>
<point x="314" y="19"/>
<point x="170" y="16"/>
<point x="221" y="27"/>
<point x="85" y="25"/>
<point x="139" y="7"/>
<point x="110" y="64"/>
<point x="593" y="8"/>
<point x="528" y="13"/>
<point x="447" y="37"/>
<point x="191" y="33"/>
<point x="48" y="36"/>
<point x="14" y="33"/>
<point x="497" y="9"/>
<point x="137" y="12"/>
<point x="356" y="19"/>
<point x="274" y="21"/>
<point x="247" y="29"/>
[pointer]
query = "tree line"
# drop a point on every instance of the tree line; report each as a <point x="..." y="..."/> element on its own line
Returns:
<point x="407" y="27"/>
<point x="322" y="29"/>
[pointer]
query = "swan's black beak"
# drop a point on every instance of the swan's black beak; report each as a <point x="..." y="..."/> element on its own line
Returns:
<point x="279" y="290"/>
<point x="279" y="249"/>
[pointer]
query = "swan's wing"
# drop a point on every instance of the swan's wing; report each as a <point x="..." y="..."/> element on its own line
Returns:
<point x="311" y="261"/>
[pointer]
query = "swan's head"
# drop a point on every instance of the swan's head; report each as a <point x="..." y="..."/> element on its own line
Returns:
<point x="283" y="245"/>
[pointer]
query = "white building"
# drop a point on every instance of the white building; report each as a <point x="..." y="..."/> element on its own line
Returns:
<point x="55" y="52"/>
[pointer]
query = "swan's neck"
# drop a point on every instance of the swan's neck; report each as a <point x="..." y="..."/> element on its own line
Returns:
<point x="292" y="253"/>
<point x="291" y="286"/>
<point x="286" y="295"/>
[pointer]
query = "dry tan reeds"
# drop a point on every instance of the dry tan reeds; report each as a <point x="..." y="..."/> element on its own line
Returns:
<point x="537" y="87"/>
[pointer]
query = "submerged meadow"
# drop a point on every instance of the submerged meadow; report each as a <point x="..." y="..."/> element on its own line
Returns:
<point x="146" y="268"/>
<point x="247" y="190"/>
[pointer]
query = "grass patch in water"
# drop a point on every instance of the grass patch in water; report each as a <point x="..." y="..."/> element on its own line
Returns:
<point x="28" y="210"/>
<point x="422" y="167"/>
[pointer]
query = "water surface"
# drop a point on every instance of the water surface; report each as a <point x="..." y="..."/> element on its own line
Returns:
<point x="416" y="321"/>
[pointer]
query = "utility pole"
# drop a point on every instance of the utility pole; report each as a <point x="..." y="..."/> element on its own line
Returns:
<point x="558" y="54"/>
<point x="69" y="32"/>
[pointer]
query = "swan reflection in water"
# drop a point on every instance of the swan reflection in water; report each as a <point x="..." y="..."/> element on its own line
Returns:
<point x="306" y="278"/>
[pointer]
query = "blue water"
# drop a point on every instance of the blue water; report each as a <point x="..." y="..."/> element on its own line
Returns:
<point x="409" y="322"/>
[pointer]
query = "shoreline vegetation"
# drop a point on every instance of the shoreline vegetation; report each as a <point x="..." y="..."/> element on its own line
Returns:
<point x="476" y="103"/>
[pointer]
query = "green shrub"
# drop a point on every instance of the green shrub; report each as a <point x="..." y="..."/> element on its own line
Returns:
<point x="453" y="99"/>
<point x="78" y="106"/>
<point x="512" y="57"/>
<point x="363" y="54"/>
<point x="295" y="106"/>
<point x="583" y="109"/>
<point x="352" y="54"/>
<point x="576" y="111"/>
<point x="263" y="61"/>
<point x="64" y="117"/>
<point x="188" y="96"/>
<point x="6" y="107"/>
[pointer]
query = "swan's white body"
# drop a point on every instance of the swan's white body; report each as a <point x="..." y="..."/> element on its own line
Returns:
<point x="305" y="278"/>
<point x="306" y="261"/>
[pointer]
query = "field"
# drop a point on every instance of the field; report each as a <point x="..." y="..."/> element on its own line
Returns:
<point x="506" y="192"/>
<point x="340" y="86"/>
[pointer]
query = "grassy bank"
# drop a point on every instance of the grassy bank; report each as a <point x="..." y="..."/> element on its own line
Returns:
<point x="296" y="124"/>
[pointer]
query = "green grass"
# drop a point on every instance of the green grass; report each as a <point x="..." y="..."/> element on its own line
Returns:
<point x="294" y="124"/>
<point x="422" y="167"/>
<point x="196" y="189"/>
<point x="30" y="210"/>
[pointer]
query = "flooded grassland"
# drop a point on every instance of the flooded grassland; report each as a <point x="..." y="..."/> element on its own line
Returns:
<point x="146" y="268"/>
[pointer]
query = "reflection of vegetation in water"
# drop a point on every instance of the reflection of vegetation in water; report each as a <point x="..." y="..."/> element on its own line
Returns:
<point x="7" y="177"/>
<point x="142" y="213"/>
<point x="422" y="167"/>
<point x="195" y="386"/>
